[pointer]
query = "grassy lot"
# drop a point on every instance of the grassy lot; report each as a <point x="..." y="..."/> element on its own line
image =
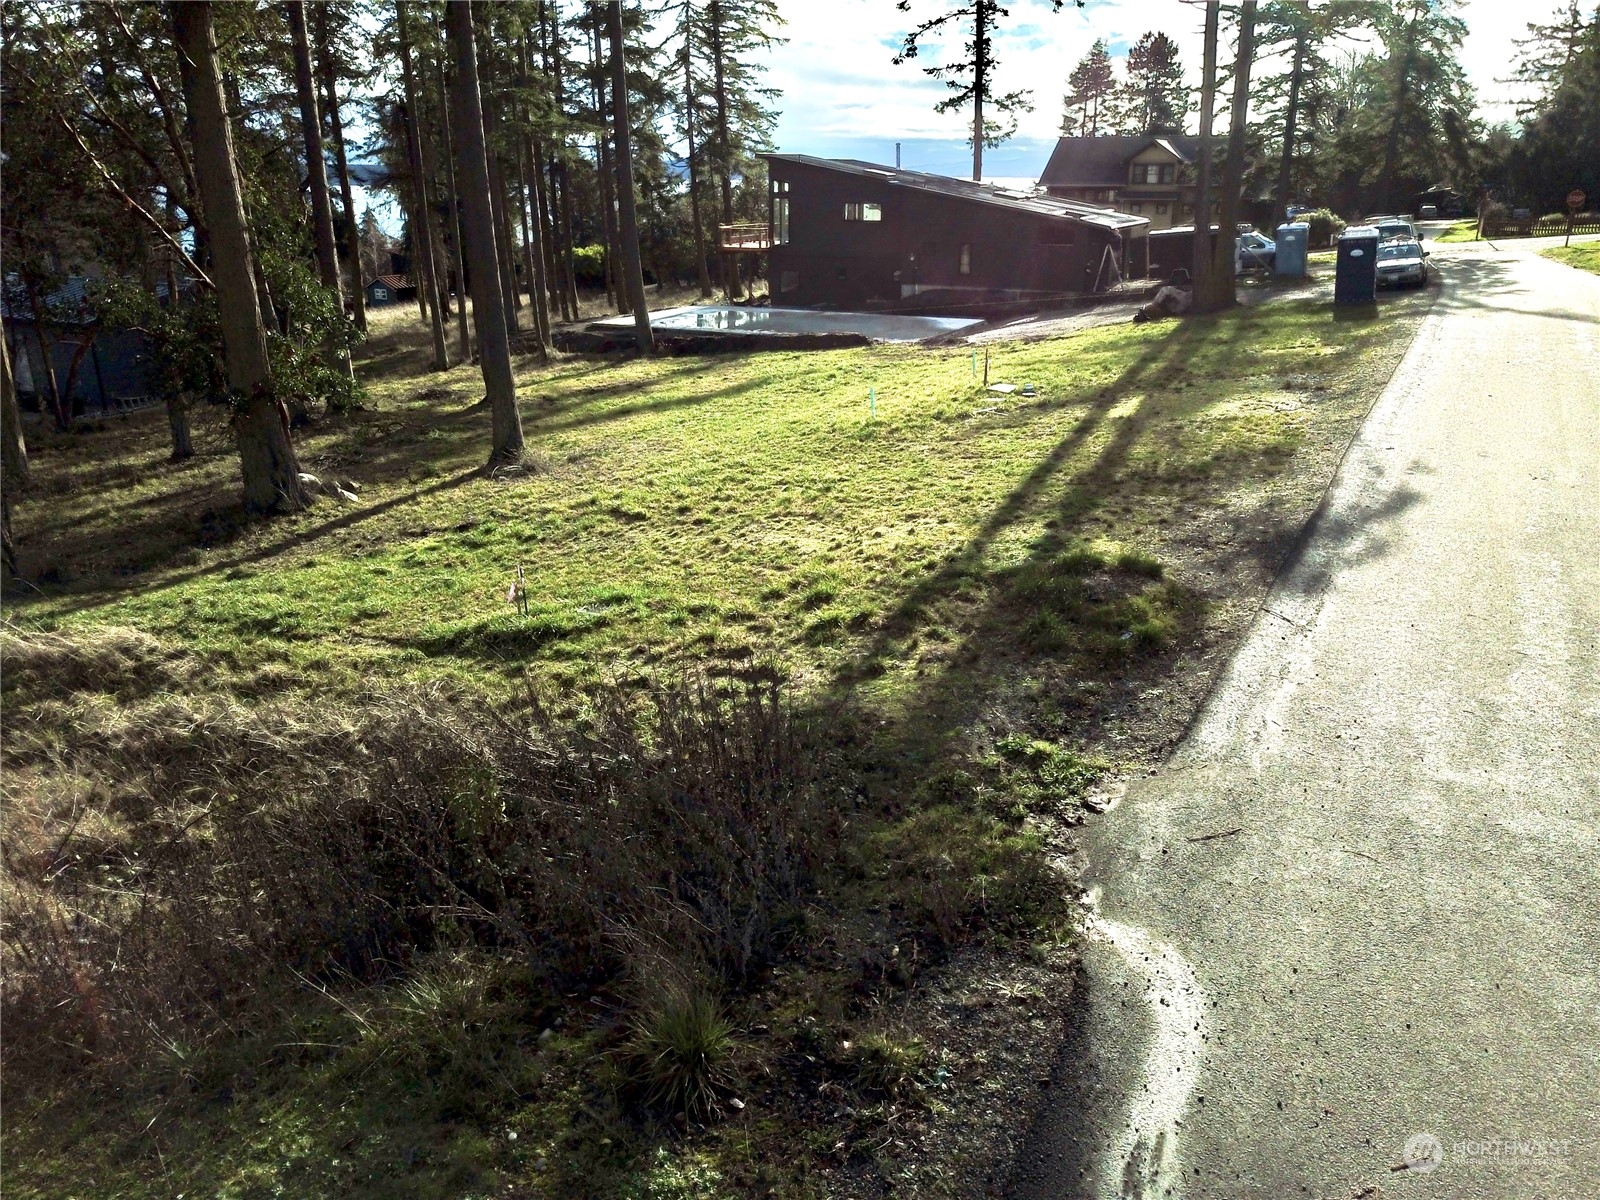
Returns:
<point x="1585" y="257"/>
<point x="984" y="601"/>
<point x="1460" y="231"/>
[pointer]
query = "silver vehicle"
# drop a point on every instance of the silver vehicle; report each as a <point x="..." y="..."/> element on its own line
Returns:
<point x="1402" y="260"/>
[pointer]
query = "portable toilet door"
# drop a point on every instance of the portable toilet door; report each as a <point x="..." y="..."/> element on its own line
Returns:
<point x="1293" y="240"/>
<point x="1355" y="278"/>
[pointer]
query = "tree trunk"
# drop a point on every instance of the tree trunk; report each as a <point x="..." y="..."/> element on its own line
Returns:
<point x="456" y="249"/>
<point x="352" y="230"/>
<point x="544" y="213"/>
<point x="421" y="225"/>
<point x="497" y="195"/>
<point x="1223" y="290"/>
<point x="502" y="235"/>
<point x="694" y="171"/>
<point x="730" y="276"/>
<point x="627" y="216"/>
<point x="13" y="447"/>
<point x="569" y="258"/>
<point x="1291" y="121"/>
<point x="335" y="353"/>
<point x="616" y="293"/>
<point x="528" y="168"/>
<point x="980" y="81"/>
<point x="1201" y="258"/>
<point x="488" y="305"/>
<point x="178" y="423"/>
<point x="260" y="421"/>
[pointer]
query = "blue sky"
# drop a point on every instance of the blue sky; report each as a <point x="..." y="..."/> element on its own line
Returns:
<point x="843" y="97"/>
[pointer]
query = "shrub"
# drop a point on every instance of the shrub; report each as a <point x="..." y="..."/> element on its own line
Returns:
<point x="589" y="265"/>
<point x="231" y="847"/>
<point x="1326" y="226"/>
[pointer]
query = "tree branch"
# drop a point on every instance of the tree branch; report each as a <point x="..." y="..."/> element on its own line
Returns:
<point x="133" y="205"/>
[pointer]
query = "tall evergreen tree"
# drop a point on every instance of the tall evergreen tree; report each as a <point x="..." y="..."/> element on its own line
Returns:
<point x="1153" y="98"/>
<point x="1090" y="87"/>
<point x="970" y="74"/>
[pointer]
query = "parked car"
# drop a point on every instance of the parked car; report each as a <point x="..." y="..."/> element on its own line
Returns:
<point x="1256" y="251"/>
<point x="1389" y="225"/>
<point x="1402" y="260"/>
<point x="1428" y="212"/>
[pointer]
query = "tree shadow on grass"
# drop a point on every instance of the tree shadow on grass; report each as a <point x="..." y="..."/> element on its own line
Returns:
<point x="1073" y="612"/>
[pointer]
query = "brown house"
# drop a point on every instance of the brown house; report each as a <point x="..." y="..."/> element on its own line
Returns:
<point x="1149" y="176"/>
<point x="855" y="235"/>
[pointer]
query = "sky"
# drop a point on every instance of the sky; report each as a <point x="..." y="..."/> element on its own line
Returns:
<point x="843" y="97"/>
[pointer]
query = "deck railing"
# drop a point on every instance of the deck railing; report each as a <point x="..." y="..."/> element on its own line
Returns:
<point x="749" y="237"/>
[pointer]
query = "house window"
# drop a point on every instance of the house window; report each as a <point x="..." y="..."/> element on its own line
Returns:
<point x="788" y="281"/>
<point x="966" y="258"/>
<point x="379" y="294"/>
<point x="1136" y="208"/>
<point x="1161" y="208"/>
<point x="780" y="212"/>
<point x="863" y="212"/>
<point x="1154" y="172"/>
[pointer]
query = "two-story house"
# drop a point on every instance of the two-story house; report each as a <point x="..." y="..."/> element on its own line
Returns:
<point x="1149" y="176"/>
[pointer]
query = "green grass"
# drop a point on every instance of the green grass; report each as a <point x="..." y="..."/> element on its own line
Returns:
<point x="1460" y="231"/>
<point x="1585" y="257"/>
<point x="975" y="572"/>
<point x="717" y="509"/>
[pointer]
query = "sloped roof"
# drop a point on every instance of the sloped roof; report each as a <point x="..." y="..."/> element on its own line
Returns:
<point x="1103" y="161"/>
<point x="395" y="282"/>
<point x="1015" y="199"/>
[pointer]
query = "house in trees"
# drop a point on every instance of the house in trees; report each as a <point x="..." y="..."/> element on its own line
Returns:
<point x="59" y="343"/>
<point x="390" y="289"/>
<point x="1149" y="176"/>
<point x="847" y="234"/>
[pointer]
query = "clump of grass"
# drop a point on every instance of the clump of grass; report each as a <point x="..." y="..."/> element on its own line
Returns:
<point x="1101" y="601"/>
<point x="680" y="1055"/>
<point x="888" y="1066"/>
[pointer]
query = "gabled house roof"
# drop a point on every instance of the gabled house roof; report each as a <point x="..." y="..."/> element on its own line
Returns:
<point x="1015" y="199"/>
<point x="393" y="282"/>
<point x="1103" y="161"/>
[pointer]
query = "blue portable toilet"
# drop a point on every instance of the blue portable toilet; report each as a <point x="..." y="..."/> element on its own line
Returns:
<point x="1355" y="275"/>
<point x="1294" y="240"/>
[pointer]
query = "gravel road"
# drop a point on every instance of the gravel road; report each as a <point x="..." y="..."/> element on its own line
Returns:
<point x="1349" y="937"/>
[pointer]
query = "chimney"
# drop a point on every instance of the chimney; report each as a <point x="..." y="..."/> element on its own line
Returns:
<point x="897" y="156"/>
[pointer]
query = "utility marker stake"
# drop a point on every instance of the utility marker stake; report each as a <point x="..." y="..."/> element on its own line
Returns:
<point x="986" y="366"/>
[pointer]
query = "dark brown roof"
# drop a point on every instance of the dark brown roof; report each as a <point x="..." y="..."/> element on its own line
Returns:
<point x="1103" y="161"/>
<point x="393" y="281"/>
<point x="966" y="189"/>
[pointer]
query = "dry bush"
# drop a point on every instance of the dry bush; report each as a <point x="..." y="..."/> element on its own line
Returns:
<point x="168" y="862"/>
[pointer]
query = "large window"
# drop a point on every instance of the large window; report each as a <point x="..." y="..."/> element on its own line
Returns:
<point x="780" y="212"/>
<point x="863" y="212"/>
<point x="966" y="258"/>
<point x="1154" y="172"/>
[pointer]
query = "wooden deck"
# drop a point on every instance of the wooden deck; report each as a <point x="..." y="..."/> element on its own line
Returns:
<point x="750" y="238"/>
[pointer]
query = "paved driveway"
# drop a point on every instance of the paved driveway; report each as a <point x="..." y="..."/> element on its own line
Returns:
<point x="1350" y="936"/>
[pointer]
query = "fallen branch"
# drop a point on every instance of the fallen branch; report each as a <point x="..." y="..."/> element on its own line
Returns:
<point x="1211" y="837"/>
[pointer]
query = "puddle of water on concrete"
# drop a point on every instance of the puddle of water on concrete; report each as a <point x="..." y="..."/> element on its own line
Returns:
<point x="1142" y="1158"/>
